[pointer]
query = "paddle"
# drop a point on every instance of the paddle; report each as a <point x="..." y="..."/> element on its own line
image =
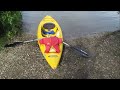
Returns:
<point x="83" y="53"/>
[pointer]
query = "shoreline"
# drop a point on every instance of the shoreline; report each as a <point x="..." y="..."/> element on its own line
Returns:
<point x="26" y="61"/>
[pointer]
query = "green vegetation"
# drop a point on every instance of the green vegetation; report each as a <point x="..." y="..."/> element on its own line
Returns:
<point x="10" y="25"/>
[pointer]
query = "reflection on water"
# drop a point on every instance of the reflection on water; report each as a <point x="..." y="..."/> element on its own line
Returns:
<point x="74" y="23"/>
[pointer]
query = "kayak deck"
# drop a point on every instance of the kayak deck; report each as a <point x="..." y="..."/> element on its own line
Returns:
<point x="52" y="57"/>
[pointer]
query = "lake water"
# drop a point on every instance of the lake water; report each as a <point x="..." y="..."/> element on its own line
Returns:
<point x="74" y="24"/>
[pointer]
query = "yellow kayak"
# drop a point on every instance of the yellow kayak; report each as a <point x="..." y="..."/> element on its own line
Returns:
<point x="53" y="58"/>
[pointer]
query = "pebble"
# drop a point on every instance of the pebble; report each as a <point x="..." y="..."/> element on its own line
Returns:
<point x="26" y="61"/>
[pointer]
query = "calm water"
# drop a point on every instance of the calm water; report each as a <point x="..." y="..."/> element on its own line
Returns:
<point x="74" y="23"/>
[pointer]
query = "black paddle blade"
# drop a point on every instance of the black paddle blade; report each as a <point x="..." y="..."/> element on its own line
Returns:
<point x="13" y="44"/>
<point x="81" y="52"/>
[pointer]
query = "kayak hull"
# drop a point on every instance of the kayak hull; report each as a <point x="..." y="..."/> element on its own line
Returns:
<point x="52" y="58"/>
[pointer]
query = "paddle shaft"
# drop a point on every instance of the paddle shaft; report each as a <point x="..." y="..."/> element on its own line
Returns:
<point x="80" y="50"/>
<point x="31" y="40"/>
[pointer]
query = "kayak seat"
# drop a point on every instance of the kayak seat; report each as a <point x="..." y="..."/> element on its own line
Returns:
<point x="48" y="28"/>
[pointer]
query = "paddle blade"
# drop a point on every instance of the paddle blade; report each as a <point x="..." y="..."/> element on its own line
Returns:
<point x="13" y="44"/>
